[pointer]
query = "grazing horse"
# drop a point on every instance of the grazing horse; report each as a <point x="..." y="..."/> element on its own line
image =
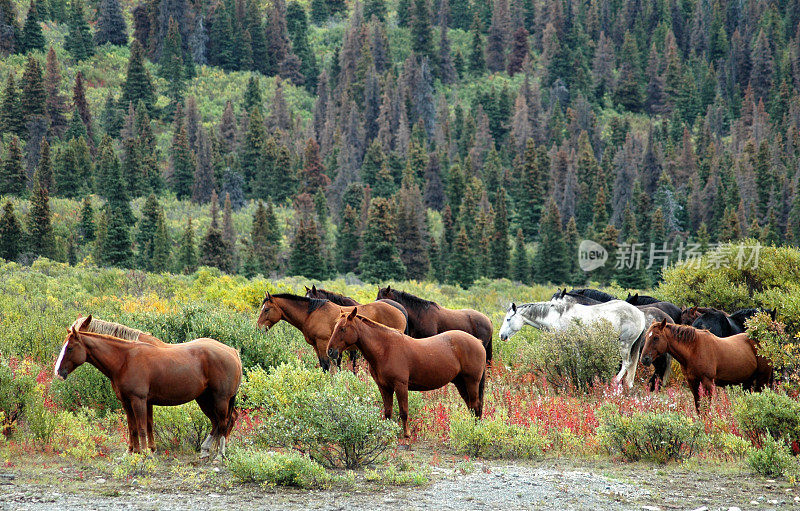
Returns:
<point x="340" y="299"/>
<point x="399" y="363"/>
<point x="708" y="360"/>
<point x="559" y="315"/>
<point x="640" y="300"/>
<point x="427" y="318"/>
<point x="315" y="318"/>
<point x="145" y="374"/>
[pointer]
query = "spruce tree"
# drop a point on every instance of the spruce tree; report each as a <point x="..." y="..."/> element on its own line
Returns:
<point x="477" y="61"/>
<point x="182" y="163"/>
<point x="86" y="227"/>
<point x="111" y="186"/>
<point x="110" y="27"/>
<point x="12" y="174"/>
<point x="79" y="41"/>
<point x="229" y="234"/>
<point x="56" y="103"/>
<point x="421" y="31"/>
<point x="171" y="66"/>
<point x="116" y="243"/>
<point x="11" y="118"/>
<point x="187" y="253"/>
<point x="265" y="239"/>
<point x="348" y="239"/>
<point x="531" y="187"/>
<point x="73" y="169"/>
<point x="380" y="259"/>
<point x="9" y="29"/>
<point x="10" y="233"/>
<point x="32" y="38"/>
<point x="306" y="257"/>
<point x="145" y="233"/>
<point x="162" y="245"/>
<point x="462" y="269"/>
<point x="519" y="51"/>
<point x="45" y="167"/>
<point x="138" y="85"/>
<point x="39" y="226"/>
<point x="500" y="251"/>
<point x="214" y="251"/>
<point x="550" y="261"/>
<point x="411" y="228"/>
<point x="81" y="122"/>
<point x="520" y="269"/>
<point x="313" y="175"/>
<point x="34" y="96"/>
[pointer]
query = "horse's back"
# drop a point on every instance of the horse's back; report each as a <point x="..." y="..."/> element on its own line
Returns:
<point x="383" y="313"/>
<point x="462" y="346"/>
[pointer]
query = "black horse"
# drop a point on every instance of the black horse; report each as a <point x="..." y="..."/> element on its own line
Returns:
<point x="594" y="294"/>
<point x="723" y="325"/>
<point x="641" y="300"/>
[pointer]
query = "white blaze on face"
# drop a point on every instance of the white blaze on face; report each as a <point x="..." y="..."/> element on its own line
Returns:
<point x="60" y="358"/>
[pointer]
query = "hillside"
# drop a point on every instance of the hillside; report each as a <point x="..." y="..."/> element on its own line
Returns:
<point x="408" y="139"/>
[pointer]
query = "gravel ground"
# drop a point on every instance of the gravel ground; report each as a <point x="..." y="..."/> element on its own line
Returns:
<point x="549" y="484"/>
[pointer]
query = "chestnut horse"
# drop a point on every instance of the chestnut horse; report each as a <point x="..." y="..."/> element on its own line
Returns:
<point x="399" y="363"/>
<point x="427" y="318"/>
<point x="340" y="299"/>
<point x="316" y="318"/>
<point x="708" y="360"/>
<point x="144" y="374"/>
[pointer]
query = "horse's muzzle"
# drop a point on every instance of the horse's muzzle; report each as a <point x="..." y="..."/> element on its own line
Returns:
<point x="333" y="354"/>
<point x="647" y="360"/>
<point x="503" y="337"/>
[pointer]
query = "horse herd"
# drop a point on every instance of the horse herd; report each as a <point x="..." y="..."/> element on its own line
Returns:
<point x="410" y="344"/>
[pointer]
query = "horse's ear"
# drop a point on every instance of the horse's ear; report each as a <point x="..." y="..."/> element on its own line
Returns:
<point x="314" y="288"/>
<point x="307" y="290"/>
<point x="663" y="323"/>
<point x="514" y="307"/>
<point x="629" y="296"/>
<point x="636" y="296"/>
<point x="388" y="288"/>
<point x="563" y="293"/>
<point x="74" y="331"/>
<point x="86" y="322"/>
<point x="353" y="314"/>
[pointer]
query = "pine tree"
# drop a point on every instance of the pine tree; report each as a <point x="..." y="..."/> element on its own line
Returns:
<point x="550" y="262"/>
<point x="79" y="41"/>
<point x="162" y="246"/>
<point x="56" y="103"/>
<point x="10" y="233"/>
<point x="500" y="251"/>
<point x="187" y="253"/>
<point x="307" y="257"/>
<point x="81" y="122"/>
<point x="477" y="61"/>
<point x="9" y="29"/>
<point x="182" y="162"/>
<point x="144" y="238"/>
<point x="138" y="86"/>
<point x="229" y="234"/>
<point x="12" y="174"/>
<point x="265" y="239"/>
<point x="520" y="269"/>
<point x="86" y="225"/>
<point x="519" y="51"/>
<point x="380" y="259"/>
<point x="532" y="187"/>
<point x="411" y="228"/>
<point x="172" y="66"/>
<point x="11" y="118"/>
<point x="116" y="243"/>
<point x="111" y="27"/>
<point x="348" y="239"/>
<point x="421" y="31"/>
<point x="45" y="167"/>
<point x="111" y="186"/>
<point x="40" y="236"/>
<point x="313" y="173"/>
<point x="32" y="38"/>
<point x="462" y="262"/>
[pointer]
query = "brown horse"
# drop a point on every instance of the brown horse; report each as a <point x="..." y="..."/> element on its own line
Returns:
<point x="427" y="318"/>
<point x="340" y="299"/>
<point x="316" y="318"/>
<point x="690" y="314"/>
<point x="708" y="360"/>
<point x="399" y="363"/>
<point x="146" y="374"/>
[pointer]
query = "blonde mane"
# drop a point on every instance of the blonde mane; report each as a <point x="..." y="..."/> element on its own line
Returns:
<point x="371" y="322"/>
<point x="98" y="326"/>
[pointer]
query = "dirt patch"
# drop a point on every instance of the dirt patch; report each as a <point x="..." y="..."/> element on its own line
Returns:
<point x="55" y="484"/>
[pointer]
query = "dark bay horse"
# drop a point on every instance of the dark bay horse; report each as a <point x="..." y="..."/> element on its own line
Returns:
<point x="707" y="360"/>
<point x="145" y="374"/>
<point x="399" y="363"/>
<point x="315" y="318"/>
<point x="640" y="300"/>
<point x="340" y="299"/>
<point x="427" y="318"/>
<point x="719" y="322"/>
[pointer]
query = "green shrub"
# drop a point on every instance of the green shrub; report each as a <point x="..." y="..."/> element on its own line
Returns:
<point x="773" y="458"/>
<point x="15" y="384"/>
<point x="40" y="420"/>
<point x="135" y="465"/>
<point x="495" y="438"/>
<point x="758" y="414"/>
<point x="651" y="436"/>
<point x="777" y="346"/>
<point x="727" y="445"/>
<point x="276" y="469"/>
<point x="77" y="435"/>
<point x="398" y="476"/>
<point x="85" y="387"/>
<point x="336" y="420"/>
<point x="579" y="355"/>
<point x="180" y="428"/>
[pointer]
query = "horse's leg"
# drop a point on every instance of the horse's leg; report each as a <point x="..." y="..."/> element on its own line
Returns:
<point x="139" y="407"/>
<point x="133" y="437"/>
<point x="388" y="401"/>
<point x="461" y="385"/>
<point x="223" y="413"/>
<point x="151" y="440"/>
<point x="208" y="409"/>
<point x="708" y="387"/>
<point x="402" y="402"/>
<point x="694" y="386"/>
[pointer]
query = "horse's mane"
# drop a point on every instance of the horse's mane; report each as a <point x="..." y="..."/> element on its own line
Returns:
<point x="742" y="314"/>
<point x="594" y="294"/>
<point x="682" y="333"/>
<point x="337" y="298"/>
<point x="98" y="326"/>
<point x="375" y="323"/>
<point x="642" y="300"/>
<point x="541" y="309"/>
<point x="413" y="302"/>
<point x="313" y="303"/>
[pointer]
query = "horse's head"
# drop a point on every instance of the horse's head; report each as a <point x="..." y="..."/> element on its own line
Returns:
<point x="269" y="314"/>
<point x="312" y="292"/>
<point x="512" y="323"/>
<point x="344" y="334"/>
<point x="655" y="342"/>
<point x="632" y="299"/>
<point x="73" y="353"/>
<point x="688" y="315"/>
<point x="385" y="293"/>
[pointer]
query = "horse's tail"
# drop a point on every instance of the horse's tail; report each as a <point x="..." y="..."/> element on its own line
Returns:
<point x="481" y="386"/>
<point x="488" y="347"/>
<point x="233" y="415"/>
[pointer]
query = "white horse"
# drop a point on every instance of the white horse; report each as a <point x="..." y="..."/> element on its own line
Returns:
<point x="558" y="315"/>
